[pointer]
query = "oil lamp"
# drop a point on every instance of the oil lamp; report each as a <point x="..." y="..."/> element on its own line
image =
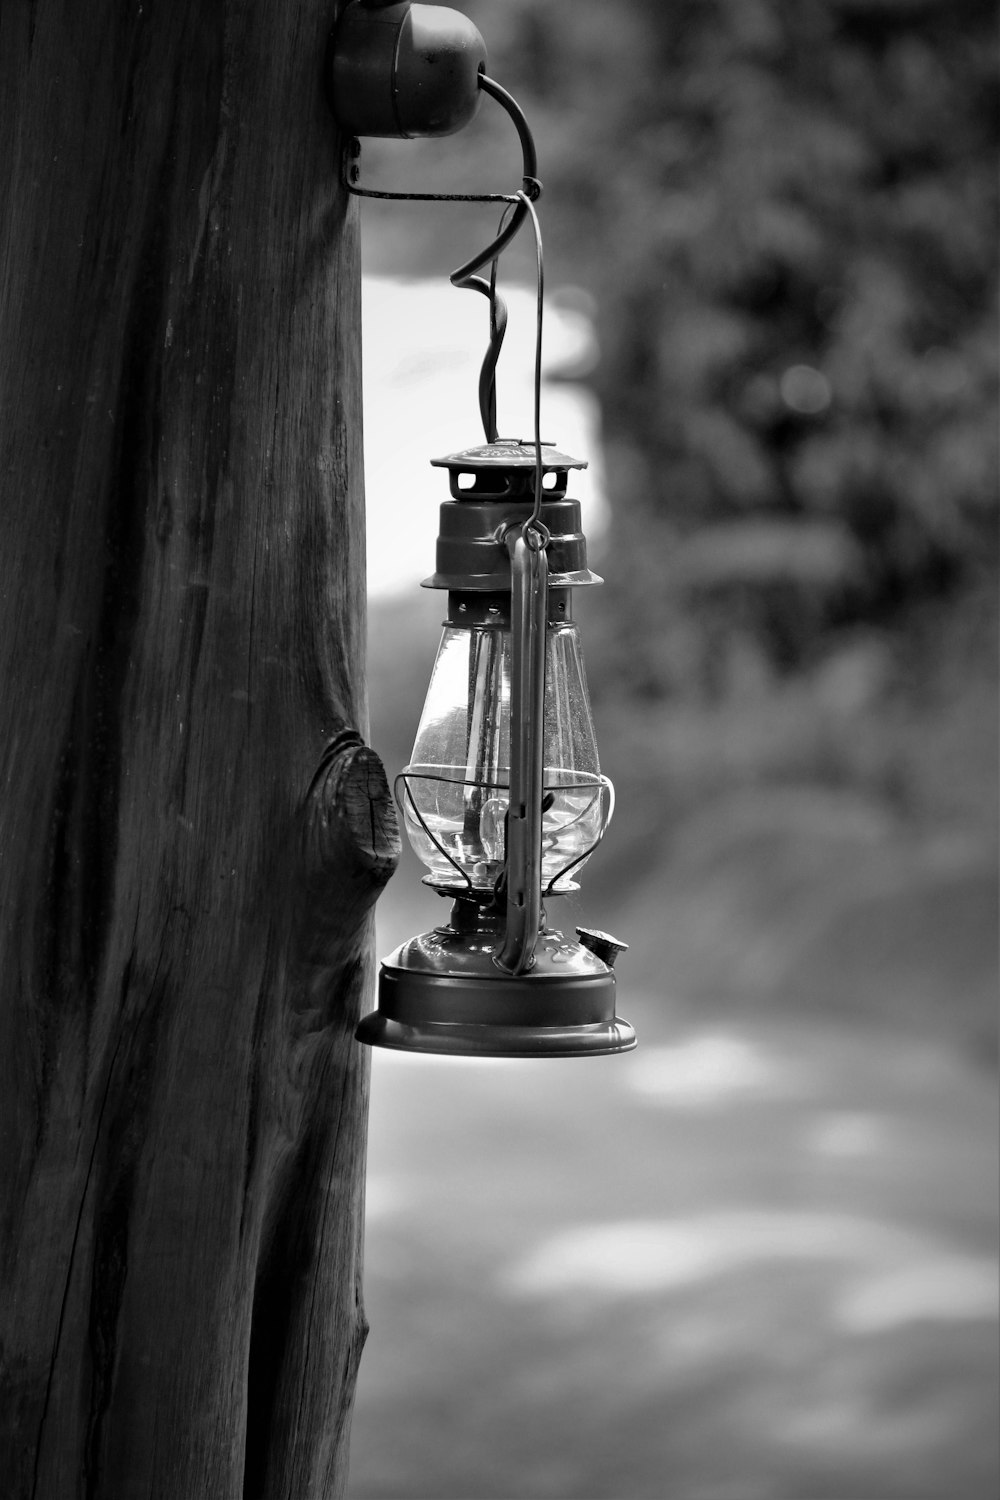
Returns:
<point x="503" y="799"/>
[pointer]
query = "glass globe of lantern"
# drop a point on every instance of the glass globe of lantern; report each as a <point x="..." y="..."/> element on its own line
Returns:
<point x="456" y="787"/>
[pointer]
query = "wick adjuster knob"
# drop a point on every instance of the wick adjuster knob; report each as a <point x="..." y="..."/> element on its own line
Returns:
<point x="405" y="70"/>
<point x="601" y="944"/>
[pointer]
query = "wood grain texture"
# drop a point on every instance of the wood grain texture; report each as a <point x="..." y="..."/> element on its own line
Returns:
<point x="192" y="833"/>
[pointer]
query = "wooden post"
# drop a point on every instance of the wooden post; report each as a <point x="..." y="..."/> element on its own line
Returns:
<point x="192" y="832"/>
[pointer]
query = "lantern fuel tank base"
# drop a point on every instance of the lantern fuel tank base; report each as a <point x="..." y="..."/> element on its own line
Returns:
<point x="444" y="992"/>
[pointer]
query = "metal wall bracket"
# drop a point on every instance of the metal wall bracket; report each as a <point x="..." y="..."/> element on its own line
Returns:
<point x="402" y="70"/>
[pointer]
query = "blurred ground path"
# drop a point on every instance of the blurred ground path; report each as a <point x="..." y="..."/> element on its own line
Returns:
<point x="755" y="1258"/>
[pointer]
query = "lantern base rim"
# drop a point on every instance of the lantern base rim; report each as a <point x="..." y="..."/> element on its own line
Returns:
<point x="444" y="992"/>
<point x="450" y="1039"/>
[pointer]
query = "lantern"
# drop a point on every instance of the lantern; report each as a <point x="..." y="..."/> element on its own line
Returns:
<point x="503" y="799"/>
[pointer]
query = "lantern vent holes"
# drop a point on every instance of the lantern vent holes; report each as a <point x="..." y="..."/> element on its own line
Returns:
<point x="490" y="485"/>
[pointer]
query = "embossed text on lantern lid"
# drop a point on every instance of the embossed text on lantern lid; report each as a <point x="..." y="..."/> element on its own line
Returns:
<point x="508" y="453"/>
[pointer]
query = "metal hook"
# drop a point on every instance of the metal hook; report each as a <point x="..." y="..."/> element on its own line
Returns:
<point x="466" y="276"/>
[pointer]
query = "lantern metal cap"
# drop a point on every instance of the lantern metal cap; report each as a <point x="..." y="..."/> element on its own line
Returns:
<point x="402" y="70"/>
<point x="472" y="556"/>
<point x="508" y="453"/>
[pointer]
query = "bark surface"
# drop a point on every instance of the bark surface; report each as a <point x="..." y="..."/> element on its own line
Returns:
<point x="192" y="832"/>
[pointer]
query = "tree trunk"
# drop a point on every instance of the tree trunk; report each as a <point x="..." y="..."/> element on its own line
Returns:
<point x="192" y="833"/>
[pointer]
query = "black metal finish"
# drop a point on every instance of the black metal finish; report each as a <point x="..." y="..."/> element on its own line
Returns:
<point x="419" y="999"/>
<point x="443" y="992"/>
<point x="493" y="491"/>
<point x="489" y="462"/>
<point x="403" y="70"/>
